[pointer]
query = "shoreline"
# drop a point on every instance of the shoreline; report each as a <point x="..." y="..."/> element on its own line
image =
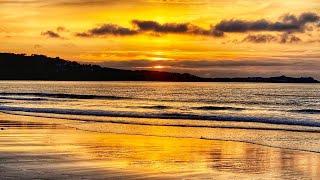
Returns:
<point x="264" y="136"/>
<point x="268" y="126"/>
<point x="97" y="155"/>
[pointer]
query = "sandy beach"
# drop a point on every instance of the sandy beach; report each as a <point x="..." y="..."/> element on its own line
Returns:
<point x="33" y="150"/>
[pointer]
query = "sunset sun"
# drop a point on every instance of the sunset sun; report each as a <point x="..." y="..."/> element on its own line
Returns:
<point x="158" y="67"/>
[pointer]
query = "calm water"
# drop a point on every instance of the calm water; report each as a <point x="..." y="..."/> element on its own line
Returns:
<point x="294" y="107"/>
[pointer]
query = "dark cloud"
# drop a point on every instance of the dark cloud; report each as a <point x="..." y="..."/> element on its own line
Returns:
<point x="260" y="38"/>
<point x="152" y="26"/>
<point x="308" y="18"/>
<point x="179" y="28"/>
<point x="197" y="64"/>
<point x="289" y="38"/>
<point x="165" y="28"/>
<point x="51" y="34"/>
<point x="288" y="23"/>
<point x="107" y="29"/>
<point x="267" y="38"/>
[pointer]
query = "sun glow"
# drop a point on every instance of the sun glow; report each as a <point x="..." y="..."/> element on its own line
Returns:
<point x="159" y="59"/>
<point x="52" y="28"/>
<point x="158" y="67"/>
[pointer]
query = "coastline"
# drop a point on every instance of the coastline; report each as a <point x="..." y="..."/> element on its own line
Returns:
<point x="31" y="149"/>
<point x="298" y="138"/>
<point x="57" y="69"/>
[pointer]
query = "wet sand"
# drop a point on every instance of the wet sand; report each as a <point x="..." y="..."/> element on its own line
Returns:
<point x="29" y="149"/>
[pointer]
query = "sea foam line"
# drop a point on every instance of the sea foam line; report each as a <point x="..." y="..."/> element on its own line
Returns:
<point x="173" y="116"/>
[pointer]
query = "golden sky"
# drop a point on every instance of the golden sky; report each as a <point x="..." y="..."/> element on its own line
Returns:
<point x="205" y="37"/>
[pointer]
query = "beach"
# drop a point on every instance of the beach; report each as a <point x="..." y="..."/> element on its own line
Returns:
<point x="34" y="147"/>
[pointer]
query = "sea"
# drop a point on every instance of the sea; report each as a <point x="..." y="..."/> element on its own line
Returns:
<point x="255" y="106"/>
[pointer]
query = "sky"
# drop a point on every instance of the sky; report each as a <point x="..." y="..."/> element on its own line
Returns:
<point x="209" y="38"/>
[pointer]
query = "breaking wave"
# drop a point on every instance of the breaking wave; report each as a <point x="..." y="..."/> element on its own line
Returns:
<point x="172" y="116"/>
<point x="64" y="96"/>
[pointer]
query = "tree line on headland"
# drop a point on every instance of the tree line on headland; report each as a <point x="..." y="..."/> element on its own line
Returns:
<point x="40" y="67"/>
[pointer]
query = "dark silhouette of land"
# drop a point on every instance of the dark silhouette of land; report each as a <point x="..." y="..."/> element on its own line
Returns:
<point x="277" y="79"/>
<point x="40" y="67"/>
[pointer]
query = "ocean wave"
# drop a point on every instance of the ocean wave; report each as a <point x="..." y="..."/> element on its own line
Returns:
<point x="64" y="96"/>
<point x="173" y="116"/>
<point x="29" y="96"/>
<point x="205" y="108"/>
<point x="286" y="95"/>
<point x="307" y="111"/>
<point x="218" y="108"/>
<point x="84" y="120"/>
<point x="23" y="99"/>
<point x="156" y="107"/>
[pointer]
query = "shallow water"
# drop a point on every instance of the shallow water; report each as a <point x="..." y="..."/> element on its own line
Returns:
<point x="47" y="151"/>
<point x="195" y="109"/>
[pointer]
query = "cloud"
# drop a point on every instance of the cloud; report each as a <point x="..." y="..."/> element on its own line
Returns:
<point x="143" y="26"/>
<point x="289" y="38"/>
<point x="156" y="27"/>
<point x="268" y="38"/>
<point x="197" y="64"/>
<point x="226" y="68"/>
<point x="107" y="29"/>
<point x="288" y="23"/>
<point x="55" y="34"/>
<point x="260" y="38"/>
<point x="51" y="34"/>
<point x="178" y="28"/>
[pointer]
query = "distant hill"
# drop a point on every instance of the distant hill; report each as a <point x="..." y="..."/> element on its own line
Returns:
<point x="278" y="79"/>
<point x="40" y="67"/>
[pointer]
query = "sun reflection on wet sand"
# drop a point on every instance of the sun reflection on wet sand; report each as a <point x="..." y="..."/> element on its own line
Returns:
<point x="57" y="150"/>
